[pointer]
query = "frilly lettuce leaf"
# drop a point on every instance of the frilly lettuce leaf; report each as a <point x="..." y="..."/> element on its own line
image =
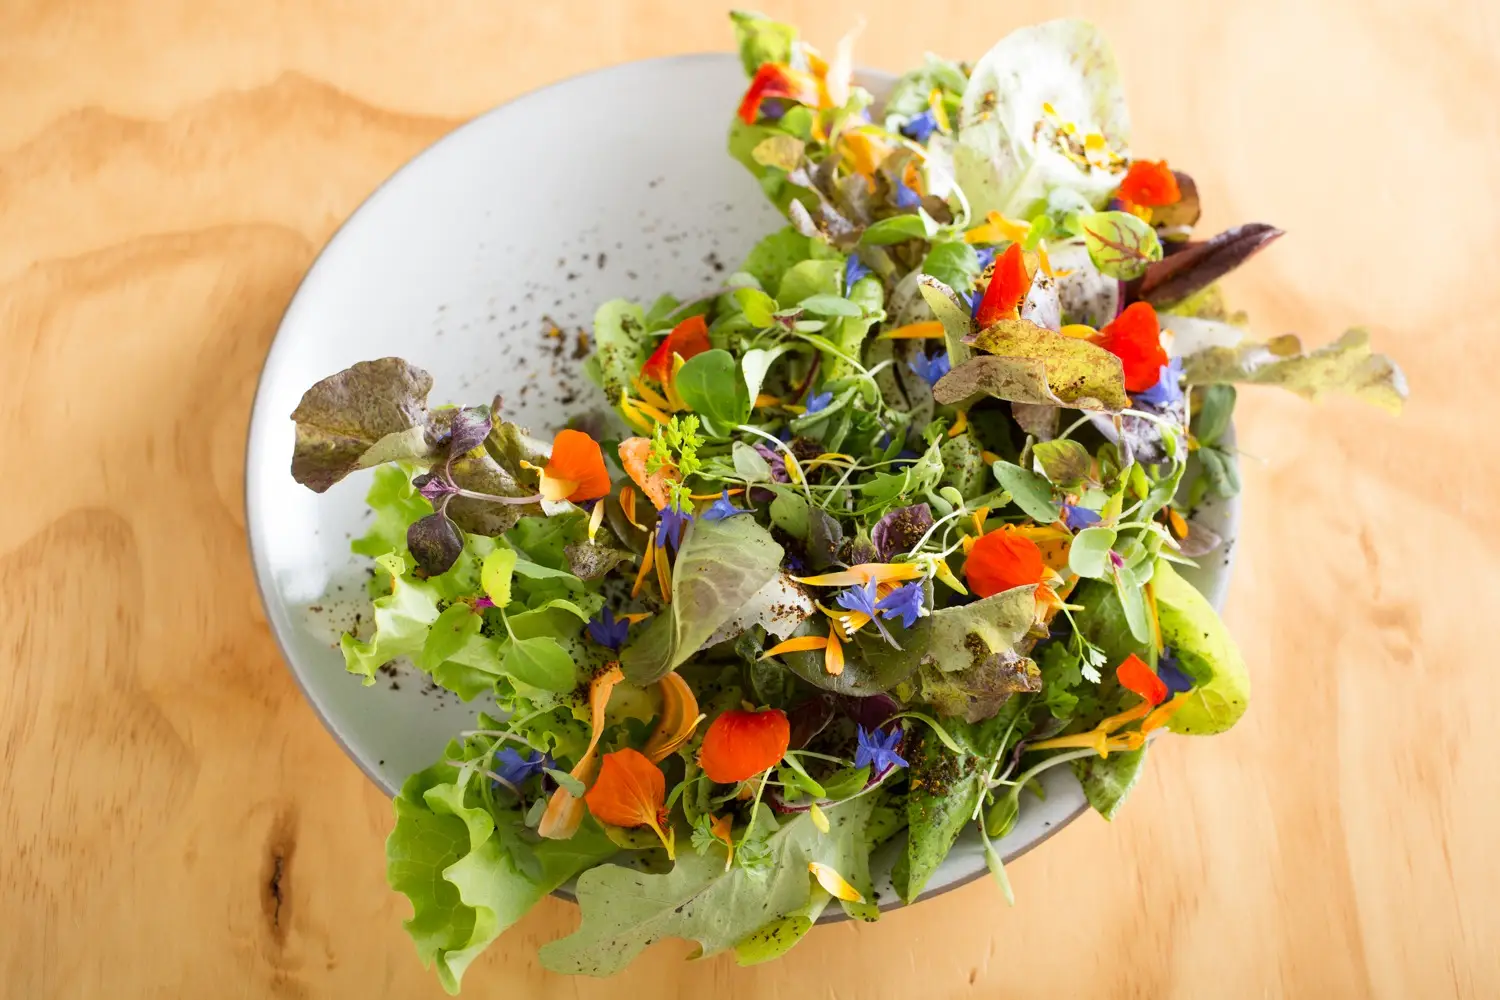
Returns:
<point x="1217" y="352"/>
<point x="395" y="504"/>
<point x="720" y="566"/>
<point x="1026" y="363"/>
<point x="468" y="880"/>
<point x="625" y="910"/>
<point x="368" y="414"/>
<point x="1007" y="155"/>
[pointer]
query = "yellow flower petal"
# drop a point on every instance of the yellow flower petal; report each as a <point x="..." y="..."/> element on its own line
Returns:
<point x="801" y="644"/>
<point x="596" y="518"/>
<point x="864" y="573"/>
<point x="1078" y="331"/>
<point x="679" y="717"/>
<point x="765" y="399"/>
<point x="833" y="663"/>
<point x="834" y="883"/>
<point x="960" y="425"/>
<point x="929" y="330"/>
<point x="647" y="561"/>
<point x="939" y="113"/>
<point x="819" y="817"/>
<point x="946" y="575"/>
<point x="636" y="617"/>
<point x="556" y="489"/>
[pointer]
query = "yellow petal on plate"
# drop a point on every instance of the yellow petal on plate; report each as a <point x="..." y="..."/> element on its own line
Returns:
<point x="596" y="518"/>
<point x="960" y="425"/>
<point x="801" y="644"/>
<point x="819" y="819"/>
<point x="834" y="883"/>
<point x="833" y="663"/>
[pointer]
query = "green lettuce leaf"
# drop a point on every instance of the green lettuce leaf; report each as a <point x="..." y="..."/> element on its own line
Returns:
<point x="761" y="39"/>
<point x="395" y="504"/>
<point x="1107" y="780"/>
<point x="621" y="345"/>
<point x="1193" y="629"/>
<point x="466" y="878"/>
<point x="720" y="566"/>
<point x="969" y="664"/>
<point x="366" y="415"/>
<point x="625" y="910"/>
<point x="1026" y="363"/>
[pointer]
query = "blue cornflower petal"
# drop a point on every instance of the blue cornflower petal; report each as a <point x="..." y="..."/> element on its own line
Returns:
<point x="860" y="598"/>
<point x="906" y="197"/>
<point x="877" y="750"/>
<point x="930" y="369"/>
<point x="1079" y="518"/>
<point x="608" y="631"/>
<point x="986" y="257"/>
<point x="906" y="602"/>
<point x="975" y="297"/>
<point x="854" y="269"/>
<point x="669" y="525"/>
<point x="514" y="768"/>
<point x="721" y="508"/>
<point x="920" y="127"/>
<point x="819" y="401"/>
<point x="1171" y="674"/>
<point x="1168" y="388"/>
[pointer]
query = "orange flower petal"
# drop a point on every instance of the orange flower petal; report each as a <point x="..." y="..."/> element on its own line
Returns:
<point x="564" y="813"/>
<point x="1008" y="286"/>
<point x="576" y="459"/>
<point x="777" y="80"/>
<point x="1163" y="714"/>
<point x="723" y="828"/>
<point x="928" y="330"/>
<point x="863" y="573"/>
<point x="1134" y="337"/>
<point x="679" y="717"/>
<point x="1150" y="184"/>
<point x="629" y="792"/>
<point x="1002" y="560"/>
<point x="800" y="644"/>
<point x="634" y="453"/>
<point x="664" y="574"/>
<point x="687" y="339"/>
<point x="1136" y="675"/>
<point x="833" y="655"/>
<point x="741" y="744"/>
<point x="647" y="561"/>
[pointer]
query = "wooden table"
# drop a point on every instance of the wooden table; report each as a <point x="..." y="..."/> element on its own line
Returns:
<point x="174" y="821"/>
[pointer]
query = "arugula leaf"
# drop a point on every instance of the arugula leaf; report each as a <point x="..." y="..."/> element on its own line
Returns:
<point x="468" y="879"/>
<point x="720" y="565"/>
<point x="1213" y="415"/>
<point x="1026" y="363"/>
<point x="711" y="385"/>
<point x="370" y="413"/>
<point x="1121" y="245"/>
<point x="625" y="910"/>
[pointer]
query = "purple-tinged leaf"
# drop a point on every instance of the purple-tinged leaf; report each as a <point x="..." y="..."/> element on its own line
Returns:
<point x="368" y="414"/>
<point x="435" y="542"/>
<point x="590" y="561"/>
<point x="900" y="529"/>
<point x="434" y="488"/>
<point x="470" y="427"/>
<point x="1199" y="265"/>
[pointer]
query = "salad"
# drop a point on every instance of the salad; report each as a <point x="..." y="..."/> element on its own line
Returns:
<point x="887" y="525"/>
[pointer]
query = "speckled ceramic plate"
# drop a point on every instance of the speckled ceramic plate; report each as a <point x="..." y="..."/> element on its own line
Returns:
<point x="612" y="184"/>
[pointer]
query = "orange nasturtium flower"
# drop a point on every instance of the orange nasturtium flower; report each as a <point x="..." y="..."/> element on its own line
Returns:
<point x="679" y="717"/>
<point x="576" y="469"/>
<point x="687" y="339"/>
<point x="1150" y="184"/>
<point x="740" y="744"/>
<point x="1002" y="560"/>
<point x="1134" y="337"/>
<point x="1135" y="675"/>
<point x="777" y="80"/>
<point x="634" y="453"/>
<point x="1007" y="289"/>
<point x="630" y="792"/>
<point x="564" y="813"/>
<point x="722" y="827"/>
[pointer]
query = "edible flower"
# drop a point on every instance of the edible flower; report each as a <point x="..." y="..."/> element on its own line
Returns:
<point x="1077" y="518"/>
<point x="513" y="769"/>
<point x="1009" y="283"/>
<point x="721" y="508"/>
<point x="630" y="792"/>
<point x="930" y="369"/>
<point x="564" y="813"/>
<point x="777" y="80"/>
<point x="818" y="401"/>
<point x="740" y="744"/>
<point x="986" y="256"/>
<point x="833" y="883"/>
<point x="997" y="229"/>
<point x="575" y="471"/>
<point x="906" y="197"/>
<point x="607" y="630"/>
<point x="722" y="828"/>
<point x="635" y="454"/>
<point x="877" y="750"/>
<point x="669" y="525"/>
<point x="1134" y="337"/>
<point x="865" y="573"/>
<point x="926" y="330"/>
<point x="1169" y="669"/>
<point x="854" y="269"/>
<point x="864" y="600"/>
<point x="1149" y="184"/>
<point x="906" y="602"/>
<point x="919" y="127"/>
<point x="679" y="717"/>
<point x="1134" y="674"/>
<point x="1002" y="560"/>
<point x="1168" y="388"/>
<point x="687" y="339"/>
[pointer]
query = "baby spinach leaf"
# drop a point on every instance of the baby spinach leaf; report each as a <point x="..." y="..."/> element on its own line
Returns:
<point x="711" y="385"/>
<point x="540" y="662"/>
<point x="1028" y="490"/>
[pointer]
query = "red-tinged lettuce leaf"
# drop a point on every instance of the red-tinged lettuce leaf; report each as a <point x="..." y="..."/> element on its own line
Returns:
<point x="1121" y="245"/>
<point x="1198" y="265"/>
<point x="626" y="910"/>
<point x="1346" y="366"/>
<point x="1025" y="363"/>
<point x="368" y="414"/>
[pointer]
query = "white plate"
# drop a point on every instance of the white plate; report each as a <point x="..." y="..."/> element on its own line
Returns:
<point x="616" y="183"/>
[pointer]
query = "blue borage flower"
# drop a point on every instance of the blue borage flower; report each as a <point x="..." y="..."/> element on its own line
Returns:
<point x="854" y="269"/>
<point x="930" y="369"/>
<point x="1168" y="388"/>
<point x="986" y="257"/>
<point x="819" y="401"/>
<point x="864" y="598"/>
<point x="907" y="602"/>
<point x="906" y="197"/>
<point x="1171" y="672"/>
<point x="1078" y="518"/>
<point x="669" y="525"/>
<point x="919" y="127"/>
<point x="607" y="630"/>
<point x="877" y="751"/>
<point x="721" y="508"/>
<point x="513" y="768"/>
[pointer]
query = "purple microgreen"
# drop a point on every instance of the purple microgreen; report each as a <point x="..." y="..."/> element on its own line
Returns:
<point x="435" y="542"/>
<point x="1199" y="265"/>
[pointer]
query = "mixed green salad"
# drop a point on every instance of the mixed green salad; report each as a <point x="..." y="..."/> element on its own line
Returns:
<point x="889" y="523"/>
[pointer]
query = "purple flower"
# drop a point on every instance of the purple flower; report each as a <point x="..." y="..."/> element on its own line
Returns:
<point x="607" y="630"/>
<point x="816" y="403"/>
<point x="514" y="768"/>
<point x="906" y="197"/>
<point x="669" y="525"/>
<point x="854" y="269"/>
<point x="920" y="127"/>
<point x="721" y="508"/>
<point x="1172" y="674"/>
<point x="863" y="599"/>
<point x="775" y="460"/>
<point x="986" y="257"/>
<point x="905" y="602"/>
<point x="930" y="369"/>
<point x="975" y="297"/>
<point x="483" y="602"/>
<point x="877" y="750"/>
<point x="1117" y="560"/>
<point x="771" y="109"/>
<point x="1168" y="389"/>
<point x="1078" y="518"/>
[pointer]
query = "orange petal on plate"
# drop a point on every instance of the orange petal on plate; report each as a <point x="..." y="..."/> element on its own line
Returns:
<point x="576" y="459"/>
<point x="629" y="793"/>
<point x="927" y="330"/>
<point x="1134" y="674"/>
<point x="564" y="812"/>
<point x="647" y="561"/>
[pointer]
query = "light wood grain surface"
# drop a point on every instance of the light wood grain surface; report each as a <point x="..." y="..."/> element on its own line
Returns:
<point x="174" y="822"/>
